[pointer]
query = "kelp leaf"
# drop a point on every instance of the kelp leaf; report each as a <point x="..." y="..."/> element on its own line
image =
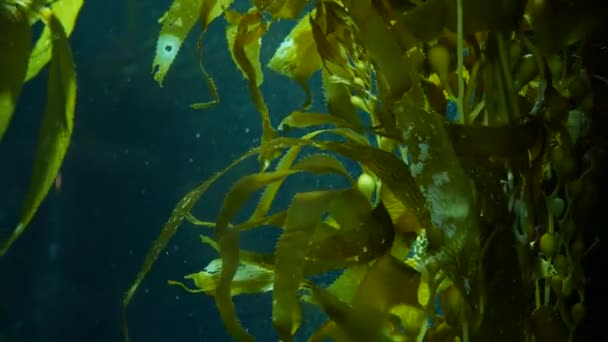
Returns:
<point x="209" y="11"/>
<point x="244" y="41"/>
<point x="388" y="282"/>
<point x="337" y="98"/>
<point x="351" y="324"/>
<point x="357" y="240"/>
<point x="249" y="278"/>
<point x="281" y="9"/>
<point x="227" y="237"/>
<point x="57" y="124"/>
<point x="299" y="119"/>
<point x="392" y="171"/>
<point x="176" y="24"/>
<point x="303" y="215"/>
<point x="66" y="12"/>
<point x="243" y="36"/>
<point x="16" y="48"/>
<point x="297" y="57"/>
<point x="285" y="163"/>
<point x="345" y="287"/>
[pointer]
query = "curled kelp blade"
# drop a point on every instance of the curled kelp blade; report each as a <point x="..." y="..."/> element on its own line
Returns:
<point x="289" y="158"/>
<point x="244" y="36"/>
<point x="209" y="11"/>
<point x="297" y="57"/>
<point x="227" y="237"/>
<point x="57" y="124"/>
<point x="16" y="48"/>
<point x="303" y="215"/>
<point x="66" y="12"/>
<point x="177" y="22"/>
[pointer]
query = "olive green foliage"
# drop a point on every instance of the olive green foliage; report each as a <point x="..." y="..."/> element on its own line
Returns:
<point x="19" y="63"/>
<point x="483" y="215"/>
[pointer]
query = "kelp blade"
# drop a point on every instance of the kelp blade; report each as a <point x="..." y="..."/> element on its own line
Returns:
<point x="16" y="48"/>
<point x="176" y="24"/>
<point x="66" y="12"/>
<point x="303" y="215"/>
<point x="57" y="124"/>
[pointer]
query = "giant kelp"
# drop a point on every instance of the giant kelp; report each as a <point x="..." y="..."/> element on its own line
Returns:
<point x="19" y="63"/>
<point x="472" y="169"/>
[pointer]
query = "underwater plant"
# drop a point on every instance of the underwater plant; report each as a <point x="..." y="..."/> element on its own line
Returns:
<point x="468" y="119"/>
<point x="19" y="63"/>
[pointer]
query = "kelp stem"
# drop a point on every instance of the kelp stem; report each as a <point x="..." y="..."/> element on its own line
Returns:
<point x="460" y="102"/>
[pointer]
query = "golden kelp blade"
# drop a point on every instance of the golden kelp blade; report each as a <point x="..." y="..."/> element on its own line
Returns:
<point x="297" y="56"/>
<point x="300" y="119"/>
<point x="57" y="124"/>
<point x="286" y="162"/>
<point x="16" y="48"/>
<point x="66" y="12"/>
<point x="178" y="215"/>
<point x="209" y="11"/>
<point x="281" y="9"/>
<point x="249" y="278"/>
<point x="303" y="215"/>
<point x="177" y="23"/>
<point x="243" y="36"/>
<point x="244" y="45"/>
<point x="227" y="238"/>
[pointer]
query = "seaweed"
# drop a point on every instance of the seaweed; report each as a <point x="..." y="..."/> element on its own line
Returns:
<point x="20" y="63"/>
<point x="471" y="170"/>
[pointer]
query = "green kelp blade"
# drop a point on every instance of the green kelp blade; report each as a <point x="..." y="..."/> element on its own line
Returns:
<point x="210" y="10"/>
<point x="228" y="238"/>
<point x="181" y="210"/>
<point x="16" y="48"/>
<point x="303" y="215"/>
<point x="176" y="24"/>
<point x="392" y="171"/>
<point x="356" y="242"/>
<point x="351" y="324"/>
<point x="66" y="12"/>
<point x="57" y="124"/>
<point x="244" y="37"/>
<point x="289" y="158"/>
<point x="299" y="119"/>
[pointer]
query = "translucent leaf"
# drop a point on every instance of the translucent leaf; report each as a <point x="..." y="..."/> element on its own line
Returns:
<point x="57" y="124"/>
<point x="297" y="57"/>
<point x="176" y="24"/>
<point x="249" y="278"/>
<point x="303" y="215"/>
<point x="351" y="324"/>
<point x="16" y="48"/>
<point x="244" y="40"/>
<point x="356" y="240"/>
<point x="300" y="119"/>
<point x="337" y="98"/>
<point x="227" y="237"/>
<point x="66" y="12"/>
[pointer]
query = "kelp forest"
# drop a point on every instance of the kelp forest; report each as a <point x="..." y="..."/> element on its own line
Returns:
<point x="466" y="132"/>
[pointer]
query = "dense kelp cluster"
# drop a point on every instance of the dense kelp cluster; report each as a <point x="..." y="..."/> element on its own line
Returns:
<point x="473" y="188"/>
<point x="19" y="63"/>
